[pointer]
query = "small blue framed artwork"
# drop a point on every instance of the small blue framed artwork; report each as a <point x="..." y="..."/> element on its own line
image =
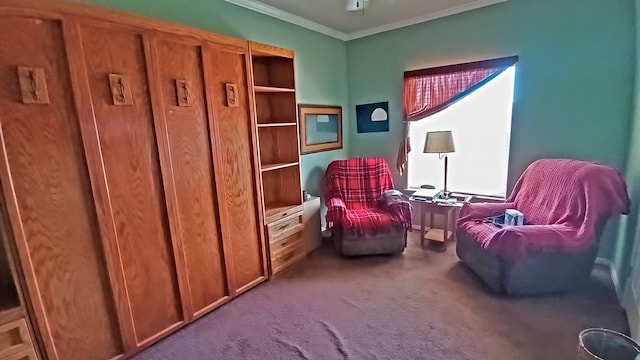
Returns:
<point x="373" y="117"/>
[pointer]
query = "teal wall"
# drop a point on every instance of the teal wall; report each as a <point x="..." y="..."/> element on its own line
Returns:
<point x="321" y="61"/>
<point x="629" y="233"/>
<point x="573" y="90"/>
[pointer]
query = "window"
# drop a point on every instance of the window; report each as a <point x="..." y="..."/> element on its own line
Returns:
<point x="481" y="126"/>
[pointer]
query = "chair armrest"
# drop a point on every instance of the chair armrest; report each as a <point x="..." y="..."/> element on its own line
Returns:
<point x="546" y="231"/>
<point x="513" y="243"/>
<point x="399" y="208"/>
<point x="471" y="211"/>
<point x="336" y="212"/>
<point x="402" y="211"/>
<point x="398" y="205"/>
<point x="335" y="203"/>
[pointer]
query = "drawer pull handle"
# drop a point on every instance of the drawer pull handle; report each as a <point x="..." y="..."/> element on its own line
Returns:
<point x="284" y="243"/>
<point x="282" y="227"/>
<point x="34" y="85"/>
<point x="121" y="90"/>
<point x="185" y="92"/>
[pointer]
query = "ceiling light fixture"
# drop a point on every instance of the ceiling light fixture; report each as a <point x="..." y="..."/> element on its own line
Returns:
<point x="357" y="5"/>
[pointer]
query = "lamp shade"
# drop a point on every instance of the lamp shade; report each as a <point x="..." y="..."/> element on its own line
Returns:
<point x="439" y="142"/>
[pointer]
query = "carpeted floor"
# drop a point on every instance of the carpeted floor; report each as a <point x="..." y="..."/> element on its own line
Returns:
<point x="420" y="305"/>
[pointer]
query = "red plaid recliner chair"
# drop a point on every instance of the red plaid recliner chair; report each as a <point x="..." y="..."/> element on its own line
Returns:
<point x="365" y="214"/>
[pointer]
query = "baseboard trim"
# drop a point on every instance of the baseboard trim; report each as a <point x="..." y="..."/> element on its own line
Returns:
<point x="614" y="276"/>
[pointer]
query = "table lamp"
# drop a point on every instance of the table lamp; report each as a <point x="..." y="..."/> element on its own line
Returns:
<point x="440" y="142"/>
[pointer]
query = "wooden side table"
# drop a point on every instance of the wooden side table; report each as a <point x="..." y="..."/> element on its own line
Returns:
<point x="446" y="210"/>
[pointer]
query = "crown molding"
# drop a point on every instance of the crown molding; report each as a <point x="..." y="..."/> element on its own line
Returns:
<point x="323" y="29"/>
<point x="289" y="17"/>
<point x="416" y="20"/>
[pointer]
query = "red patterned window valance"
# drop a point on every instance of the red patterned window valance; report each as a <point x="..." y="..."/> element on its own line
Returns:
<point x="428" y="91"/>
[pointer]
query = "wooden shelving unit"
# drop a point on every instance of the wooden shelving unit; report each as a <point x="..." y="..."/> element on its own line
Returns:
<point x="277" y="126"/>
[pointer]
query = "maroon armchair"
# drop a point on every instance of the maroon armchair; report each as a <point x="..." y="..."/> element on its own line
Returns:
<point x="366" y="215"/>
<point x="566" y="204"/>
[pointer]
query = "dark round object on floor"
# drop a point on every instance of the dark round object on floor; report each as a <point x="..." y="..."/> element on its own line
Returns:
<point x="603" y="344"/>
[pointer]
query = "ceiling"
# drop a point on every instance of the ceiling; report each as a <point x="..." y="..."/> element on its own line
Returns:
<point x="331" y="18"/>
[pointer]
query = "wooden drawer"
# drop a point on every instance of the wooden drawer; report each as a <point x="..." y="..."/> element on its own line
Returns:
<point x="294" y="239"/>
<point x="287" y="257"/>
<point x="15" y="342"/>
<point x="285" y="227"/>
<point x="281" y="213"/>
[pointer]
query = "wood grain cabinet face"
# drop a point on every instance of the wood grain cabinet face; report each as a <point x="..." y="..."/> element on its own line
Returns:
<point x="129" y="167"/>
<point x="132" y="170"/>
<point x="46" y="185"/>
<point x="235" y="173"/>
<point x="192" y="164"/>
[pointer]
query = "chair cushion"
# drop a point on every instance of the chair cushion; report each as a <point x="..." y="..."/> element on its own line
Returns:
<point x="370" y="221"/>
<point x="515" y="243"/>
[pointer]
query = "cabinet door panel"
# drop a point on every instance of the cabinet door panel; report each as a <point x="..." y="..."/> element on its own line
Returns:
<point x="132" y="172"/>
<point x="46" y="184"/>
<point x="180" y="80"/>
<point x="235" y="176"/>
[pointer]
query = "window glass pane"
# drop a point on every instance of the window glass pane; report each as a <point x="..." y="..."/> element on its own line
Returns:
<point x="481" y="126"/>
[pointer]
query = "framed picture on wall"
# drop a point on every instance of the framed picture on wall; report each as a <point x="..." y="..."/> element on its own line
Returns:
<point x="320" y="128"/>
<point x="373" y="117"/>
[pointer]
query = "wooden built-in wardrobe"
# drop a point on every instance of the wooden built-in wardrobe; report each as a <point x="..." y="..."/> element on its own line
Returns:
<point x="129" y="172"/>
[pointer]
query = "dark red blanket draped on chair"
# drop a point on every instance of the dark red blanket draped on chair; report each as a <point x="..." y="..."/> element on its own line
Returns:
<point x="428" y="91"/>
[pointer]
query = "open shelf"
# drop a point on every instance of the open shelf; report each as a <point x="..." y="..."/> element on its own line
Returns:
<point x="281" y="189"/>
<point x="8" y="297"/>
<point x="278" y="145"/>
<point x="276" y="125"/>
<point x="276" y="107"/>
<point x="270" y="167"/>
<point x="434" y="234"/>
<point x="271" y="89"/>
<point x="273" y="71"/>
<point x="10" y="308"/>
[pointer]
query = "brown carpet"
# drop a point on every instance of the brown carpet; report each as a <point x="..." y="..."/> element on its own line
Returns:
<point x="420" y="305"/>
